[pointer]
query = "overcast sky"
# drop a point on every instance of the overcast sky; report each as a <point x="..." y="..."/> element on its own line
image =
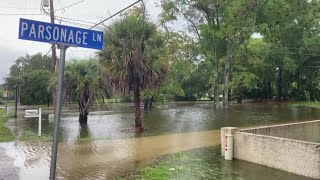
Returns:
<point x="88" y="10"/>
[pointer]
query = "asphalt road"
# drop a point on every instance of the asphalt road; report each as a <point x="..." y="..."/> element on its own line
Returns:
<point x="7" y="169"/>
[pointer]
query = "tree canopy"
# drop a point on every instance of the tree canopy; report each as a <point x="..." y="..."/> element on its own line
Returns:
<point x="133" y="58"/>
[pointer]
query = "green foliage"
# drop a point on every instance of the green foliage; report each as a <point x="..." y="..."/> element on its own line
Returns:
<point x="284" y="55"/>
<point x="194" y="164"/>
<point x="133" y="59"/>
<point x="315" y="104"/>
<point x="198" y="84"/>
<point x="32" y="73"/>
<point x="82" y="83"/>
<point x="34" y="88"/>
<point x="5" y="133"/>
<point x="182" y="54"/>
<point x="28" y="136"/>
<point x="1" y="96"/>
<point x="133" y="53"/>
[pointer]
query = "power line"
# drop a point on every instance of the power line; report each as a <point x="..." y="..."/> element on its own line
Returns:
<point x="76" y="20"/>
<point x="19" y="8"/>
<point x="76" y="23"/>
<point x="63" y="8"/>
<point x="35" y="14"/>
<point x="48" y="52"/>
<point x="115" y="14"/>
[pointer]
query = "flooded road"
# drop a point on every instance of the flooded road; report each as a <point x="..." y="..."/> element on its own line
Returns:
<point x="169" y="119"/>
<point x="107" y="147"/>
<point x="102" y="159"/>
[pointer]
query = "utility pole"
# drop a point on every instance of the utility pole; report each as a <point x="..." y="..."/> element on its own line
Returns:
<point x="54" y="55"/>
<point x="15" y="101"/>
<point x="19" y="84"/>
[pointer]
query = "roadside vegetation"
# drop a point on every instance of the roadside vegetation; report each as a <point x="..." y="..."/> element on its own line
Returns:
<point x="194" y="164"/>
<point x="314" y="104"/>
<point x="5" y="133"/>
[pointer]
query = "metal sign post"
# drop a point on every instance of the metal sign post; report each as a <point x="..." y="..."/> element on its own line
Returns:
<point x="57" y="113"/>
<point x="64" y="36"/>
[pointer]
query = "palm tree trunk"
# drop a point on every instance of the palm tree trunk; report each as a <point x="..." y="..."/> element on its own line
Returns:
<point x="151" y="102"/>
<point x="84" y="104"/>
<point x="137" y="99"/>
<point x="146" y="104"/>
<point x="83" y="118"/>
<point x="83" y="113"/>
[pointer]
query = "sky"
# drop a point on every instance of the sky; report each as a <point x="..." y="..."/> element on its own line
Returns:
<point x="88" y="10"/>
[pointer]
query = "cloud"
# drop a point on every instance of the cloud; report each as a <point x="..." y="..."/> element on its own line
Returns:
<point x="7" y="56"/>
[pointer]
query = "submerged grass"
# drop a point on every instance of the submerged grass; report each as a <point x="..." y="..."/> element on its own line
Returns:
<point x="88" y="139"/>
<point x="314" y="104"/>
<point x="194" y="164"/>
<point x="205" y="163"/>
<point x="5" y="133"/>
<point x="29" y="136"/>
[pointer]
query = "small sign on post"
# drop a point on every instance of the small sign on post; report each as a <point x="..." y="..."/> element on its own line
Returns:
<point x="32" y="114"/>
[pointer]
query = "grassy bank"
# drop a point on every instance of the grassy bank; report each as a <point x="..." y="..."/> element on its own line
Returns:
<point x="195" y="164"/>
<point x="5" y="133"/>
<point x="315" y="104"/>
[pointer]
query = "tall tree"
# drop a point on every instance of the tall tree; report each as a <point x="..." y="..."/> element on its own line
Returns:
<point x="22" y="73"/>
<point x="221" y="26"/>
<point x="133" y="58"/>
<point x="82" y="84"/>
<point x="35" y="87"/>
<point x="288" y="26"/>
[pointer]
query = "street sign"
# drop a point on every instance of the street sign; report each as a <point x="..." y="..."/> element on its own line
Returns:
<point x="60" y="34"/>
<point x="64" y="36"/>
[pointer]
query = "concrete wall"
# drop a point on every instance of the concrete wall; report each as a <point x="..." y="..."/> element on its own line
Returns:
<point x="304" y="131"/>
<point x="290" y="155"/>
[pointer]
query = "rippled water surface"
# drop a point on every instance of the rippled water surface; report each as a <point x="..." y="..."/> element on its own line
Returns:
<point x="108" y="147"/>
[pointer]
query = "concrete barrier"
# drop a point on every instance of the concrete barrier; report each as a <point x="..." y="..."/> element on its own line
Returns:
<point x="304" y="131"/>
<point x="271" y="146"/>
<point x="224" y="132"/>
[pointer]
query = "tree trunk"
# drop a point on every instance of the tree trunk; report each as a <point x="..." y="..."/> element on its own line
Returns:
<point x="279" y="86"/>
<point x="151" y="101"/>
<point x="138" y="122"/>
<point x="227" y="75"/>
<point x="216" y="91"/>
<point x="226" y="83"/>
<point x="146" y="104"/>
<point x="83" y="117"/>
<point x="239" y="99"/>
<point x="84" y="104"/>
<point x="84" y="131"/>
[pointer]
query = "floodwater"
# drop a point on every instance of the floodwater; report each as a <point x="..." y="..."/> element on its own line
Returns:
<point x="108" y="147"/>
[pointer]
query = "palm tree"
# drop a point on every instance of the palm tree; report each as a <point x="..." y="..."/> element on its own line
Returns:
<point x="133" y="59"/>
<point x="81" y="83"/>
